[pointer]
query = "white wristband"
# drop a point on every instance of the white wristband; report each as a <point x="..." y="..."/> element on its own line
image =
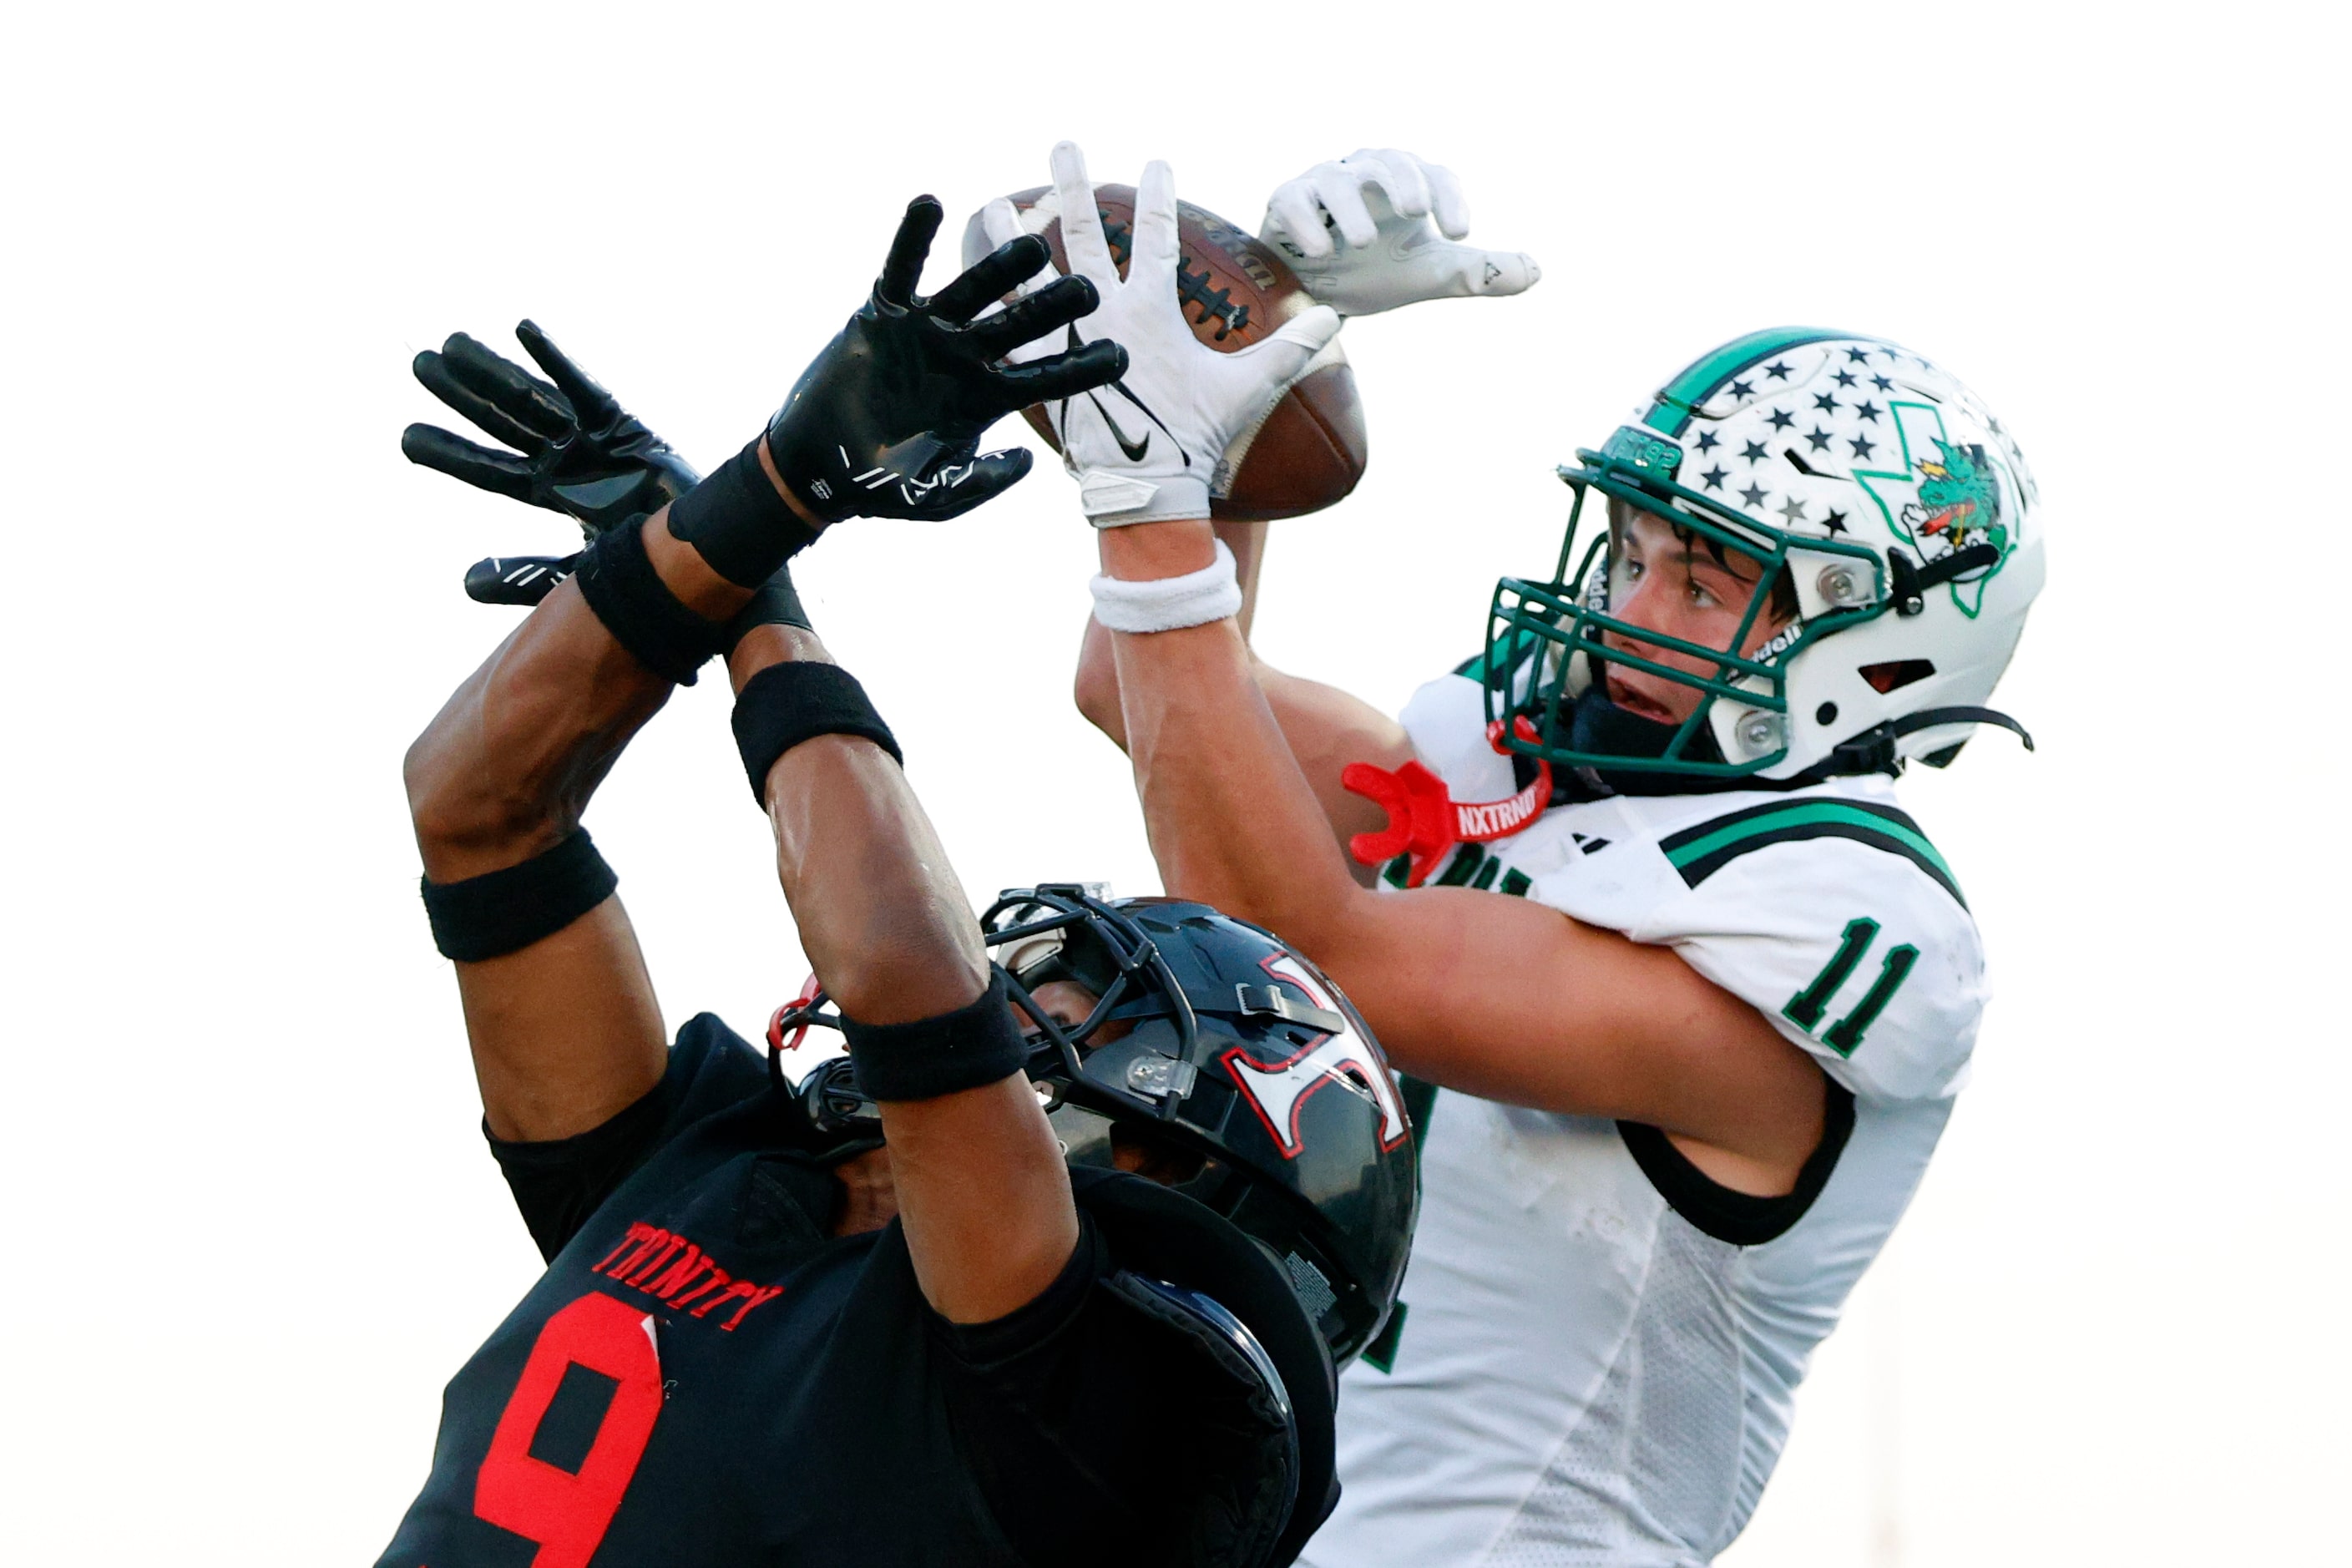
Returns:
<point x="1170" y="603"/>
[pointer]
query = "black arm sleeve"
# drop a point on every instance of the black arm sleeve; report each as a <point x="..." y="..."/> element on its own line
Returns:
<point x="558" y="1185"/>
<point x="1104" y="1426"/>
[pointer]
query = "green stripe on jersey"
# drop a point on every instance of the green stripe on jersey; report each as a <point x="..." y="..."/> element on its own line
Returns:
<point x="1699" y="852"/>
<point x="1699" y="382"/>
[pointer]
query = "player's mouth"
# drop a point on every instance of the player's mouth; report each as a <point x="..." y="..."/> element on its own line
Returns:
<point x="1622" y="693"/>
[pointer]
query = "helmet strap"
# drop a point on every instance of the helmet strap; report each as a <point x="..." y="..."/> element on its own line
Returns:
<point x="1911" y="583"/>
<point x="1873" y="750"/>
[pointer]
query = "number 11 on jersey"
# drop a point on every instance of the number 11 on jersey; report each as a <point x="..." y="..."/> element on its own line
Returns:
<point x="1806" y="1007"/>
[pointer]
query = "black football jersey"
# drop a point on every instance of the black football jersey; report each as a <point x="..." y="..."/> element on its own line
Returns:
<point x="703" y="1377"/>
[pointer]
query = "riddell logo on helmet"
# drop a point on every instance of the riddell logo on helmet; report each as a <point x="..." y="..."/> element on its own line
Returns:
<point x="1277" y="1091"/>
<point x="1787" y="637"/>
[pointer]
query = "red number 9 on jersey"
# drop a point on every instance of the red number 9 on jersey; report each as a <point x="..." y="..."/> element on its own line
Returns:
<point x="568" y="1512"/>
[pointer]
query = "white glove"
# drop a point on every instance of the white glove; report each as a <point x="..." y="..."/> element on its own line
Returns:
<point x="1000" y="221"/>
<point x="1146" y="448"/>
<point x="1359" y="234"/>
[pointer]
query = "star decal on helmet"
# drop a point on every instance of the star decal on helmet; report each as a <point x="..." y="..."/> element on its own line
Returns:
<point x="1753" y="496"/>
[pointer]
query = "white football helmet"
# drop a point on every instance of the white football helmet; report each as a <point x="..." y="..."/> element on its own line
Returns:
<point x="1884" y="494"/>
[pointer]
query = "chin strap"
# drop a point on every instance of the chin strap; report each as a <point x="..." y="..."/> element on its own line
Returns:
<point x="1912" y="582"/>
<point x="1873" y="750"/>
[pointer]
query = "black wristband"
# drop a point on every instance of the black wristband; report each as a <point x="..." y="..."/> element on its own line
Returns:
<point x="619" y="580"/>
<point x="787" y="703"/>
<point x="776" y="604"/>
<point x="504" y="911"/>
<point x="739" y="523"/>
<point x="976" y="1044"/>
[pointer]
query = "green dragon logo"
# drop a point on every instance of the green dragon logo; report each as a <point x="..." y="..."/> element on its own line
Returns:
<point x="1959" y="500"/>
<point x="1957" y="497"/>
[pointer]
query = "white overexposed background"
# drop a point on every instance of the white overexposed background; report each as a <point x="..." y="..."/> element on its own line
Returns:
<point x="254" y="1227"/>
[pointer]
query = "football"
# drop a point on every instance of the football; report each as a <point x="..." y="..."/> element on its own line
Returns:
<point x="1310" y="450"/>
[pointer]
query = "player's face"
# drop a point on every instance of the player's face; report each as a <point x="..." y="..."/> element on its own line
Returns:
<point x="1067" y="1003"/>
<point x="1673" y="583"/>
<point x="1133" y="1149"/>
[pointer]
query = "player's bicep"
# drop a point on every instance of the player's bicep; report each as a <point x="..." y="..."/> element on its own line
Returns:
<point x="1327" y="729"/>
<point x="1509" y="1000"/>
<point x="565" y="1033"/>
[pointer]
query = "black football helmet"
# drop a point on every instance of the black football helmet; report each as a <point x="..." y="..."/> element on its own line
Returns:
<point x="1218" y="1060"/>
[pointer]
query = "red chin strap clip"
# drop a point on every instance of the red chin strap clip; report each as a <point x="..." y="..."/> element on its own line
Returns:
<point x="794" y="1012"/>
<point x="1424" y="821"/>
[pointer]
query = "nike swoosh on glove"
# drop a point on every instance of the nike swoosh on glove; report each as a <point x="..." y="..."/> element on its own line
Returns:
<point x="1145" y="448"/>
<point x="1361" y="235"/>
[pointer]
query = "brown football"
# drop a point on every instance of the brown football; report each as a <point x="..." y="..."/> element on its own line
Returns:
<point x="1309" y="451"/>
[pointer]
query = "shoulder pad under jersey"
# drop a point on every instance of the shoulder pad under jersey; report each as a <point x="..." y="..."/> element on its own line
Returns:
<point x="1834" y="917"/>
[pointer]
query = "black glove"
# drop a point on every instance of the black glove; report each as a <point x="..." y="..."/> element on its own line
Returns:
<point x="581" y="453"/>
<point x="886" y="420"/>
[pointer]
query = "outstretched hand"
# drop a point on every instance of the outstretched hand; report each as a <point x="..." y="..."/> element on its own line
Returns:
<point x="1378" y="230"/>
<point x="886" y="421"/>
<point x="576" y="451"/>
<point x="1147" y="449"/>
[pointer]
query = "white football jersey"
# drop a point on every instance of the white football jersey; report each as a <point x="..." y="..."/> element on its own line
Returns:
<point x="1595" y="1350"/>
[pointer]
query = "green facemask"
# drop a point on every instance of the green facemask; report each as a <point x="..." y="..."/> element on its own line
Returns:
<point x="1544" y="639"/>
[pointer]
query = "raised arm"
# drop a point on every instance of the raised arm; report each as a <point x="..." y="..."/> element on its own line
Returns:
<point x="559" y="1011"/>
<point x="982" y="1188"/>
<point x="983" y="1192"/>
<point x="565" y="1032"/>
<point x="1492" y="994"/>
<point x="1325" y="727"/>
<point x="564" y="1023"/>
<point x="1497" y="997"/>
<point x="1369" y="233"/>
